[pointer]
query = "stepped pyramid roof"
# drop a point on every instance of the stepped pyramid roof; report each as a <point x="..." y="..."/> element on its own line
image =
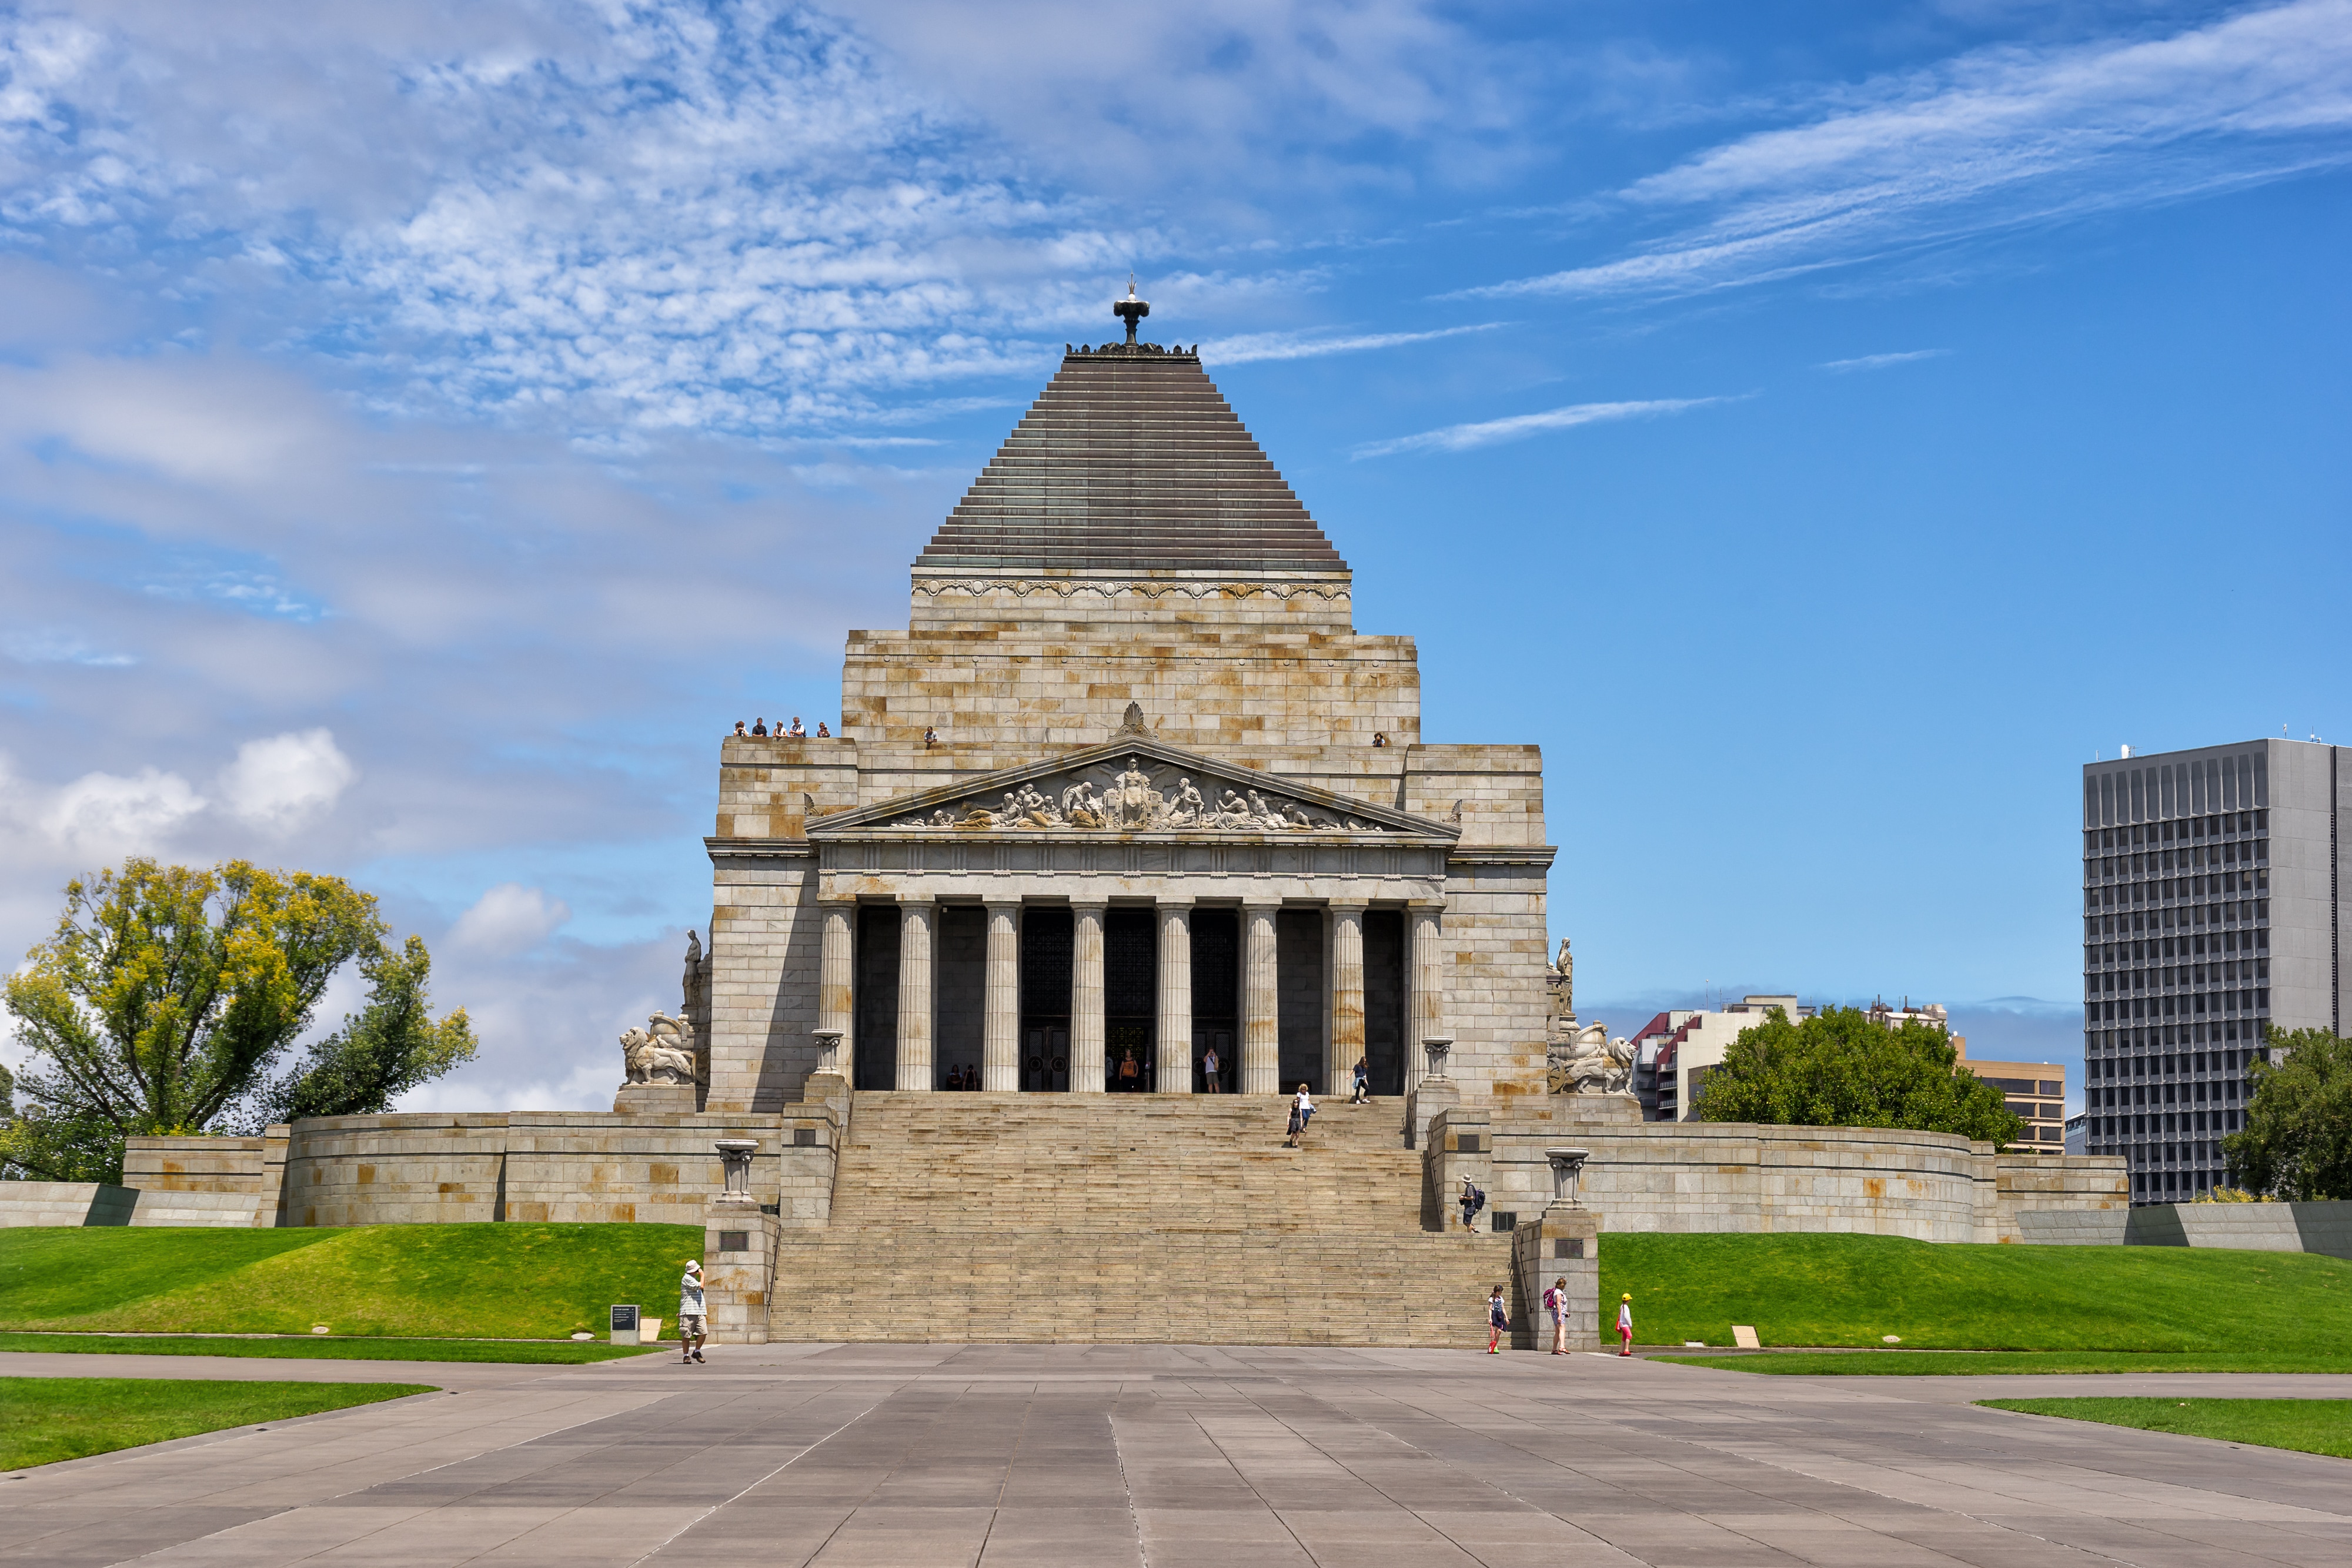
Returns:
<point x="1131" y="461"/>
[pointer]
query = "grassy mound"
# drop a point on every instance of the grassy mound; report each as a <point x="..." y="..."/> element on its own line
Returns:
<point x="1855" y="1289"/>
<point x="2000" y="1362"/>
<point x="45" y="1419"/>
<point x="325" y="1347"/>
<point x="2310" y="1425"/>
<point x="426" y="1282"/>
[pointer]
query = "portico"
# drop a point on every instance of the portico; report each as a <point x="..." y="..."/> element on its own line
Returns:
<point x="1043" y="948"/>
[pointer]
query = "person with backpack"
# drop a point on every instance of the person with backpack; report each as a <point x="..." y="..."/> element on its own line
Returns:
<point x="1555" y="1301"/>
<point x="1472" y="1199"/>
<point x="1498" y="1321"/>
<point x="1362" y="1094"/>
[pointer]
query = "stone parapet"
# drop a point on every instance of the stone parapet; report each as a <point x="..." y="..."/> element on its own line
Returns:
<point x="1560" y="1243"/>
<point x="2322" y="1227"/>
<point x="738" y="1269"/>
<point x="193" y="1164"/>
<point x="65" y="1203"/>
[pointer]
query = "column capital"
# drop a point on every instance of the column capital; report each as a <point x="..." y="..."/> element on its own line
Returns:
<point x="1000" y="903"/>
<point x="1348" y="906"/>
<point x="1173" y="903"/>
<point x="1089" y="906"/>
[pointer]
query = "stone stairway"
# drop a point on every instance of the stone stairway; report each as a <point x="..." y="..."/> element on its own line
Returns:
<point x="1123" y="1219"/>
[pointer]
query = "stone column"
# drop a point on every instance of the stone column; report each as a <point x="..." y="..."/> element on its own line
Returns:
<point x="1174" y="1050"/>
<point x="837" y="983"/>
<point x="1000" y="1041"/>
<point x="915" y="922"/>
<point x="1345" y="1044"/>
<point x="1425" y="978"/>
<point x="1261" y="1004"/>
<point x="1087" y="998"/>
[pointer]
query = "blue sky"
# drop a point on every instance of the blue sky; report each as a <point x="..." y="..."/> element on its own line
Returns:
<point x="425" y="426"/>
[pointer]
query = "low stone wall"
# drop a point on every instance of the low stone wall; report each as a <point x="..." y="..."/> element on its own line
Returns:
<point x="1696" y="1176"/>
<point x="29" y="1202"/>
<point x="2324" y="1227"/>
<point x="554" y="1165"/>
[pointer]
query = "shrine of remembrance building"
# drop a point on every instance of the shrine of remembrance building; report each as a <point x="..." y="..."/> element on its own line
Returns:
<point x="1129" y="793"/>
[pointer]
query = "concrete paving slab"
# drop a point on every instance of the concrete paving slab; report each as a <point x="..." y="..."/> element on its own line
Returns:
<point x="911" y="1455"/>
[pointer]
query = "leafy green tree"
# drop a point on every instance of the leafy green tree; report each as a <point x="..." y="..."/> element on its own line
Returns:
<point x="167" y="994"/>
<point x="387" y="1049"/>
<point x="2297" y="1141"/>
<point x="1840" y="1068"/>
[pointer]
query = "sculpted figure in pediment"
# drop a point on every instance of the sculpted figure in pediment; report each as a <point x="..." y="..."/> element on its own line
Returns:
<point x="1186" y="809"/>
<point x="1134" y="803"/>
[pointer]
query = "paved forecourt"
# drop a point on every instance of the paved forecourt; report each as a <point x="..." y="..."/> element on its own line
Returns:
<point x="1043" y="1455"/>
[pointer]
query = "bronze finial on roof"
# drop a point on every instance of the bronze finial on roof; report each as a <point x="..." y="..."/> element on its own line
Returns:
<point x="1130" y="310"/>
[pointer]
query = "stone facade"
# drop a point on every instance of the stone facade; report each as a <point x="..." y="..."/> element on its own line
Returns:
<point x="1129" y="578"/>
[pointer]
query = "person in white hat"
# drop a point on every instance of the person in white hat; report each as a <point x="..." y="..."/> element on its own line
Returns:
<point x="691" y="1320"/>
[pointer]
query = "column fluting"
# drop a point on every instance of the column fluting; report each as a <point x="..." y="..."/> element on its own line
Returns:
<point x="1346" y="1046"/>
<point x="836" y="997"/>
<point x="1425" y="965"/>
<point x="1087" y="998"/>
<point x="999" y="1042"/>
<point x="1261" y="1004"/>
<point x="1172" y="1051"/>
<point x="916" y="920"/>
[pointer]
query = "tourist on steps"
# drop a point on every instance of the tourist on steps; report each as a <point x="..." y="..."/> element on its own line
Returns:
<point x="1209" y="1069"/>
<point x="1498" y="1319"/>
<point x="1362" y="1094"/>
<point x="691" y="1320"/>
<point x="1302" y="1111"/>
<point x="1130" y="1071"/>
<point x="1625" y="1324"/>
<point x="1472" y="1200"/>
<point x="1555" y="1301"/>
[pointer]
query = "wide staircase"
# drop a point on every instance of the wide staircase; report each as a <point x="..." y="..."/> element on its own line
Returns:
<point x="1126" y="1218"/>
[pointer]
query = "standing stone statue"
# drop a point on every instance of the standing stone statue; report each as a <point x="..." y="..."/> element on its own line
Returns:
<point x="690" y="987"/>
<point x="1566" y="964"/>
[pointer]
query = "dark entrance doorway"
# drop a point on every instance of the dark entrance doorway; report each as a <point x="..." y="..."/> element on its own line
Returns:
<point x="1216" y="998"/>
<point x="1130" y="997"/>
<point x="873" y="1052"/>
<point x="1045" y="999"/>
<point x="1300" y="996"/>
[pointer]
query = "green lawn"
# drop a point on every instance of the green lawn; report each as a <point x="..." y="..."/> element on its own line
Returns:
<point x="424" y="1281"/>
<point x="1855" y="1289"/>
<point x="322" y="1348"/>
<point x="1980" y="1363"/>
<point x="2310" y="1425"/>
<point x="45" y="1419"/>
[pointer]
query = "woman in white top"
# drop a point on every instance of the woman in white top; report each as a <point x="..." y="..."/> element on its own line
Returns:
<point x="1302" y="1111"/>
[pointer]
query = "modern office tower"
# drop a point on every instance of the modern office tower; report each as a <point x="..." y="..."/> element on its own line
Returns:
<point x="2210" y="913"/>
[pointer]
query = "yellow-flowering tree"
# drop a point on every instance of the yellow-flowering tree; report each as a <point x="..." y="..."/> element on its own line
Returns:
<point x="169" y="994"/>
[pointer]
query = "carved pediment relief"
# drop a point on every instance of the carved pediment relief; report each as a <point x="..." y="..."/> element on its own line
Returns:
<point x="1139" y="787"/>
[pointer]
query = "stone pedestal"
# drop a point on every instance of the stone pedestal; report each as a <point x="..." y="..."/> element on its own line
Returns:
<point x="1460" y="1143"/>
<point x="738" y="1268"/>
<point x="1562" y="1241"/>
<point x="1432" y="1098"/>
<point x="655" y="1100"/>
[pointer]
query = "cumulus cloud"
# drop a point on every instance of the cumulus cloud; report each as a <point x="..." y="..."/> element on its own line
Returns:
<point x="283" y="782"/>
<point x="2002" y="137"/>
<point x="106" y="815"/>
<point x="509" y="919"/>
<point x="1519" y="426"/>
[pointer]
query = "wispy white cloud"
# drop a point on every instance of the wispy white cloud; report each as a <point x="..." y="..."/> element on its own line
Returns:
<point x="1519" y="426"/>
<point x="2004" y="137"/>
<point x="1253" y="346"/>
<point x="1880" y="361"/>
